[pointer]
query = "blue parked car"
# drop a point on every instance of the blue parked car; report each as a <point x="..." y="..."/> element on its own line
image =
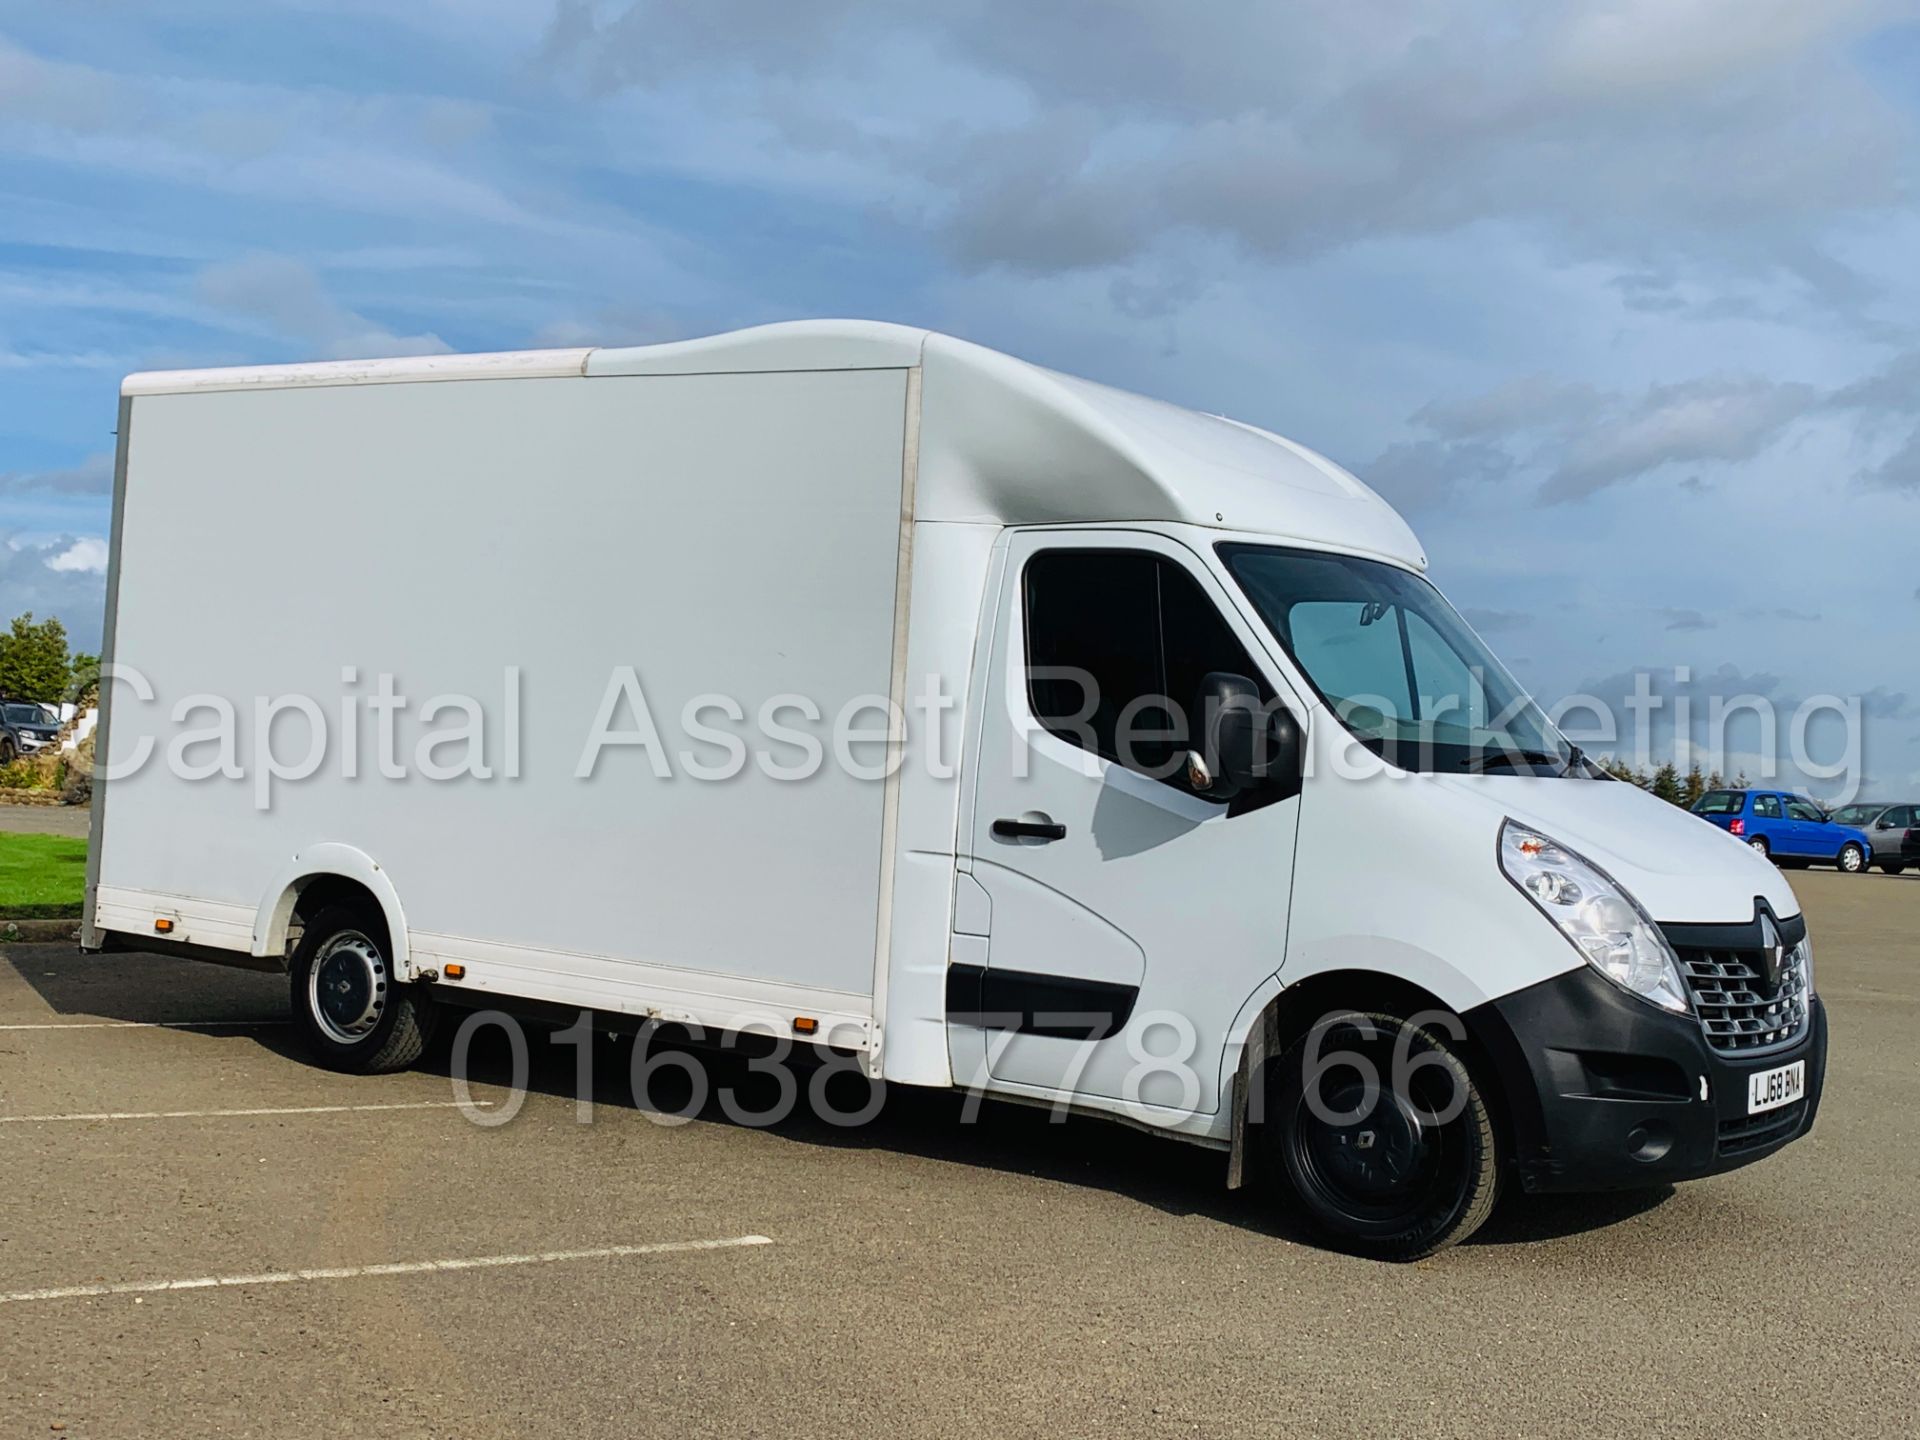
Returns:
<point x="1788" y="828"/>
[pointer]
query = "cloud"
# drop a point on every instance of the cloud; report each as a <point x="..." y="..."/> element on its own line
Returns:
<point x="33" y="578"/>
<point x="285" y="296"/>
<point x="88" y="555"/>
<point x="1422" y="473"/>
<point x="1582" y="439"/>
<point x="611" y="325"/>
<point x="43" y="92"/>
<point x="1780" y="612"/>
<point x="92" y="476"/>
<point x="1685" y="619"/>
<point x="1880" y="703"/>
<point x="1715" y="716"/>
<point x="1900" y="471"/>
<point x="1892" y="389"/>
<point x="1087" y="133"/>
<point x="1698" y="421"/>
<point x="1494" y="622"/>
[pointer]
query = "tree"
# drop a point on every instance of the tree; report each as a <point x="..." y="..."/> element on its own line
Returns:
<point x="1621" y="770"/>
<point x="1693" y="788"/>
<point x="83" y="679"/>
<point x="1740" y="782"/>
<point x="33" y="660"/>
<point x="1666" y="783"/>
<point x="1714" y="782"/>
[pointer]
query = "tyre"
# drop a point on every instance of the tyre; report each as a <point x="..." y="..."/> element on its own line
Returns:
<point x="1852" y="859"/>
<point x="7" y="753"/>
<point x="1395" y="1169"/>
<point x="1894" y="868"/>
<point x="349" y="1009"/>
<point x="1760" y="847"/>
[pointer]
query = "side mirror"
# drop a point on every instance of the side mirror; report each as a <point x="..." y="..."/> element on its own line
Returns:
<point x="1244" y="744"/>
<point x="1883" y="823"/>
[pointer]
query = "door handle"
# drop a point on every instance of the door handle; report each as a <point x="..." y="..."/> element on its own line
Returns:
<point x="1029" y="830"/>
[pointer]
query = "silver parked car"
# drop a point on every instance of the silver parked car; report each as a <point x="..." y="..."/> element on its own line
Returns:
<point x="1893" y="829"/>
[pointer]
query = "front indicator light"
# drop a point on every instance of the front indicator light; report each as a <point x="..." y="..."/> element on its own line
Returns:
<point x="1596" y="914"/>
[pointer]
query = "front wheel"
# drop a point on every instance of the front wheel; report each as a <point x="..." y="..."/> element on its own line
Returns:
<point x="1853" y="859"/>
<point x="1383" y="1135"/>
<point x="1894" y="869"/>
<point x="347" y="1005"/>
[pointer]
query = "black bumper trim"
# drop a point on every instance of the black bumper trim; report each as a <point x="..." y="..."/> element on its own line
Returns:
<point x="1601" y="1091"/>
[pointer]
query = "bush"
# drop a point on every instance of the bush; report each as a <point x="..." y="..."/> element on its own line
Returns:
<point x="34" y="772"/>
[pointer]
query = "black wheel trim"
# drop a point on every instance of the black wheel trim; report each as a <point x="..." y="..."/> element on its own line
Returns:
<point x="1433" y="1158"/>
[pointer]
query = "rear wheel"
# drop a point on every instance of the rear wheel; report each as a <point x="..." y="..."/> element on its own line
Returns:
<point x="1385" y="1139"/>
<point x="1853" y="859"/>
<point x="351" y="1011"/>
<point x="1760" y="846"/>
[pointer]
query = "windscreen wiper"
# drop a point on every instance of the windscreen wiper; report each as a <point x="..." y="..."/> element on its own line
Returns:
<point x="1474" y="764"/>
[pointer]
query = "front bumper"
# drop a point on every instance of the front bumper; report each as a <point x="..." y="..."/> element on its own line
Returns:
<point x="1604" y="1091"/>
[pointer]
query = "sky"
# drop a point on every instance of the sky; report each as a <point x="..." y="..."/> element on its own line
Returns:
<point x="1615" y="301"/>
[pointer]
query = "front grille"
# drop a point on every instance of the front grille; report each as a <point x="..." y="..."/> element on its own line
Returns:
<point x="1735" y="1008"/>
<point x="1752" y="1132"/>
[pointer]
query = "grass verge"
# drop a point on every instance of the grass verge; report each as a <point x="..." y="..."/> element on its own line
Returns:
<point x="42" y="877"/>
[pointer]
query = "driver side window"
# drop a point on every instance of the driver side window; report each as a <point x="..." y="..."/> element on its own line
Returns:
<point x="1117" y="644"/>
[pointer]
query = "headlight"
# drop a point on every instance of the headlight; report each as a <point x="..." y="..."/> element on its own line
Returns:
<point x="1804" y="950"/>
<point x="1596" y="914"/>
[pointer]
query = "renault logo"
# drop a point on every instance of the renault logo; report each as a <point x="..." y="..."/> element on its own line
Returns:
<point x="1772" y="955"/>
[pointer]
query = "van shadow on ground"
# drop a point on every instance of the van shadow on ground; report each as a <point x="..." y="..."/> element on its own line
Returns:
<point x="1170" y="1176"/>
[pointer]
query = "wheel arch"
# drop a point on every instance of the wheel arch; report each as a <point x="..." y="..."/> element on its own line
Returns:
<point x="1277" y="1016"/>
<point x="335" y="871"/>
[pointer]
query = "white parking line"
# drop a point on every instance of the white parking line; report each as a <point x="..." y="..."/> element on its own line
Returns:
<point x="403" y="1267"/>
<point x="143" y="1024"/>
<point x="224" y="1114"/>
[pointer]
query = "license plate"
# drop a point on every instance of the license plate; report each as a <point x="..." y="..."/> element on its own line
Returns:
<point x="1770" y="1089"/>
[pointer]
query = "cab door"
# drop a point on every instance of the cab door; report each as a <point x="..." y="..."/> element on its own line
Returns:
<point x="1126" y="917"/>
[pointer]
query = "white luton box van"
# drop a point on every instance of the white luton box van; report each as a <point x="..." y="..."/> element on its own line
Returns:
<point x="852" y="682"/>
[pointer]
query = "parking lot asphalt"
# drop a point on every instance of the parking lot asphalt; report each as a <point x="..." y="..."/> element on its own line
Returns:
<point x="920" y="1277"/>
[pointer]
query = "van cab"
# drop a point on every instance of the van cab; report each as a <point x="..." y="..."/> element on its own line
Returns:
<point x="1204" y="810"/>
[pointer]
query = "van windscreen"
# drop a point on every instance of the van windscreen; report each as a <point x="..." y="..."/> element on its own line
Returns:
<point x="1397" y="664"/>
